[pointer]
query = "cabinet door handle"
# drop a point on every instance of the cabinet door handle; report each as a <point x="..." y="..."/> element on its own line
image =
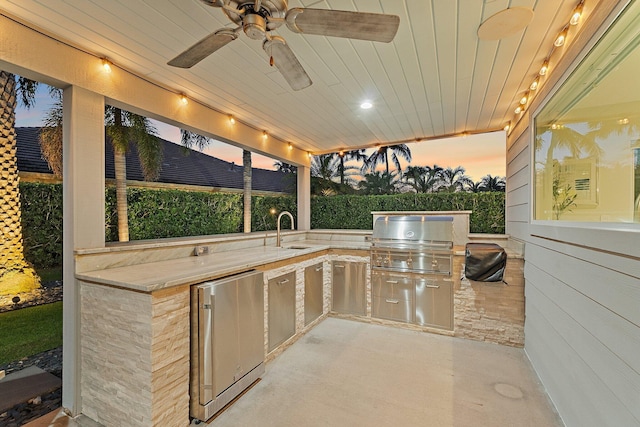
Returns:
<point x="282" y="282"/>
<point x="318" y="268"/>
<point x="432" y="286"/>
<point x="392" y="301"/>
<point x="338" y="265"/>
<point x="392" y="281"/>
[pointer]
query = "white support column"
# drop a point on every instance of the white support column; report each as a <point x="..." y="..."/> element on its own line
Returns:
<point x="83" y="217"/>
<point x="304" y="198"/>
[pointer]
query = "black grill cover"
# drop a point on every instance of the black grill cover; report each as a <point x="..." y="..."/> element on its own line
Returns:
<point x="484" y="262"/>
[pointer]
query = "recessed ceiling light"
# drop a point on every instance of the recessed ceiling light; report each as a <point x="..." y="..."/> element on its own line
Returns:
<point x="366" y="105"/>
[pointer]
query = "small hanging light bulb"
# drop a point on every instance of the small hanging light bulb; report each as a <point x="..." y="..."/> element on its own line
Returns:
<point x="562" y="37"/>
<point x="577" y="14"/>
<point x="183" y="99"/>
<point x="534" y="84"/>
<point x="524" y="99"/>
<point x="106" y="65"/>
<point x="544" y="68"/>
<point x="507" y="127"/>
<point x="290" y="146"/>
<point x="265" y="135"/>
<point x="232" y="120"/>
<point x="518" y="110"/>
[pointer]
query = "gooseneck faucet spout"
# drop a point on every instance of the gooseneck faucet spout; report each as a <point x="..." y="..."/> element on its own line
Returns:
<point x="278" y="229"/>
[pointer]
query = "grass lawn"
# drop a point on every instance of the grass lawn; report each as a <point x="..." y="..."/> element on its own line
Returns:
<point x="29" y="331"/>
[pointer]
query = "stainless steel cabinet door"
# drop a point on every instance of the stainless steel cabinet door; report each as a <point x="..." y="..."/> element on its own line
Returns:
<point x="224" y="342"/>
<point x="349" y="287"/>
<point x="282" y="309"/>
<point x="313" y="296"/>
<point x="434" y="301"/>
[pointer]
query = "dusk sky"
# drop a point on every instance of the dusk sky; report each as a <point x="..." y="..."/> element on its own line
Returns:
<point x="479" y="154"/>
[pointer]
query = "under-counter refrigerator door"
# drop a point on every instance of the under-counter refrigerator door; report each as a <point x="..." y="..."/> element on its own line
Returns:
<point x="250" y="321"/>
<point x="204" y="371"/>
<point x="225" y="335"/>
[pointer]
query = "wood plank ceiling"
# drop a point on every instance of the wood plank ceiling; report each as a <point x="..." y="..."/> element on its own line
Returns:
<point x="435" y="79"/>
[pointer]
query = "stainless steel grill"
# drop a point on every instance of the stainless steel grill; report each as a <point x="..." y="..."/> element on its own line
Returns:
<point x="411" y="265"/>
<point x="412" y="244"/>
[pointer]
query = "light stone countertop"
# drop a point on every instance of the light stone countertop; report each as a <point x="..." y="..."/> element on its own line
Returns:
<point x="158" y="275"/>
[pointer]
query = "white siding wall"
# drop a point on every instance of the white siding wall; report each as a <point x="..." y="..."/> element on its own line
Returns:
<point x="582" y="328"/>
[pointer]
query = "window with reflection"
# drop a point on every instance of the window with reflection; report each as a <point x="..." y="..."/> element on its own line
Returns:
<point x="587" y="137"/>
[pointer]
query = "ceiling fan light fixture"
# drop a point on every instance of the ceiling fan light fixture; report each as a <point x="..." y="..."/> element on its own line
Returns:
<point x="366" y="105"/>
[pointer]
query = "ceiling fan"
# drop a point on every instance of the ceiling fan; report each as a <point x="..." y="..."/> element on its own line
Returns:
<point x="257" y="18"/>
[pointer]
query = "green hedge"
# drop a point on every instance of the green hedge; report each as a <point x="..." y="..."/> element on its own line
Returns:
<point x="174" y="213"/>
<point x="354" y="212"/>
<point x="42" y="223"/>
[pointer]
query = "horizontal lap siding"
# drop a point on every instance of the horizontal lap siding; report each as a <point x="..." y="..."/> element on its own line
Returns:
<point x="518" y="187"/>
<point x="582" y="332"/>
<point x="582" y="304"/>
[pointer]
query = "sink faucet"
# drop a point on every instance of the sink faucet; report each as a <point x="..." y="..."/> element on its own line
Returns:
<point x="278" y="230"/>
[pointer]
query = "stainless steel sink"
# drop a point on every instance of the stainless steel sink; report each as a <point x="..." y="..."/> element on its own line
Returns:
<point x="297" y="247"/>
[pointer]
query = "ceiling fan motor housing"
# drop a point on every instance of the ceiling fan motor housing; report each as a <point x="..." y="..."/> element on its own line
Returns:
<point x="254" y="26"/>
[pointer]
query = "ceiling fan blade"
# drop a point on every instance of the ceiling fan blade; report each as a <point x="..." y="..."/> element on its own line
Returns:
<point x="203" y="48"/>
<point x="340" y="23"/>
<point x="287" y="63"/>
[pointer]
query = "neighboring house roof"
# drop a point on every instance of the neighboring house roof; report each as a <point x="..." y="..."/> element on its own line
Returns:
<point x="180" y="165"/>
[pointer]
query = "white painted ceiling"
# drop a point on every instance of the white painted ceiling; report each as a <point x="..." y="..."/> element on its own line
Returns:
<point x="435" y="79"/>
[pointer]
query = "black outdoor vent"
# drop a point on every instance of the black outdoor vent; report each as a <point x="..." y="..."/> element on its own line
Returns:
<point x="484" y="262"/>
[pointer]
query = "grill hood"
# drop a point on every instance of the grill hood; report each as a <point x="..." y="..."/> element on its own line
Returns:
<point x="414" y="228"/>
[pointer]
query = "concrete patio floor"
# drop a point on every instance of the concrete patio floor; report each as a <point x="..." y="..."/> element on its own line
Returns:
<point x="347" y="373"/>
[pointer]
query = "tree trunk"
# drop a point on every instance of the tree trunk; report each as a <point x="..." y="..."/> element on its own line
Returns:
<point x="16" y="275"/>
<point x="246" y="178"/>
<point x="120" y="166"/>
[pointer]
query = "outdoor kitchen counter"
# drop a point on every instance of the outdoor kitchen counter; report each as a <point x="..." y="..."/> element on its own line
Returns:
<point x="153" y="276"/>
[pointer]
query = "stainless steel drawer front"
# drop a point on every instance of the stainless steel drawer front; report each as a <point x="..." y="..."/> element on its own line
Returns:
<point x="389" y="285"/>
<point x="401" y="310"/>
<point x="434" y="302"/>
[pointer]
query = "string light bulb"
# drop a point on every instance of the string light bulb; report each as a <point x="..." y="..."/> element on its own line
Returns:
<point x="507" y="127"/>
<point x="341" y="153"/>
<point x="544" y="68"/>
<point x="518" y="110"/>
<point x="265" y="135"/>
<point x="183" y="99"/>
<point x="562" y="37"/>
<point x="290" y="146"/>
<point x="309" y="154"/>
<point x="524" y="99"/>
<point x="232" y="120"/>
<point x="577" y="14"/>
<point x="106" y="65"/>
<point x="534" y="84"/>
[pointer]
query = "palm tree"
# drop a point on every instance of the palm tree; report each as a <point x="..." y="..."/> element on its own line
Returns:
<point x="381" y="155"/>
<point x="377" y="183"/>
<point x="454" y="179"/>
<point x="423" y="179"/>
<point x="246" y="189"/>
<point x="16" y="275"/>
<point x="285" y="167"/>
<point x="190" y="139"/>
<point x="357" y="155"/>
<point x="493" y="183"/>
<point x="123" y="127"/>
